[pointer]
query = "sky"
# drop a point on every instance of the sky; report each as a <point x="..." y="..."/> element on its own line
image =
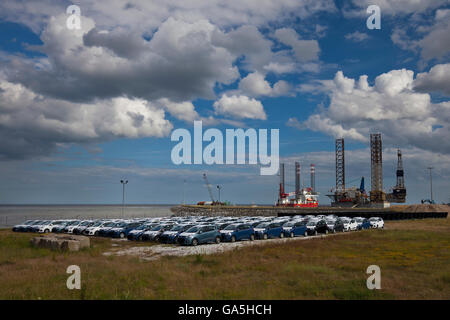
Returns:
<point x="83" y="108"/>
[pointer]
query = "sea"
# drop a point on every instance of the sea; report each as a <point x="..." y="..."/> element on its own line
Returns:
<point x="11" y="215"/>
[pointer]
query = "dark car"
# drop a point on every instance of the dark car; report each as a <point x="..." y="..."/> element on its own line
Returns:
<point x="171" y="235"/>
<point x="137" y="233"/>
<point x="317" y="226"/>
<point x="23" y="226"/>
<point x="295" y="228"/>
<point x="268" y="230"/>
<point x="199" y="234"/>
<point x="122" y="230"/>
<point x="59" y="228"/>
<point x="238" y="231"/>
<point x="330" y="223"/>
<point x="365" y="224"/>
<point x="103" y="231"/>
<point x="338" y="226"/>
<point x="154" y="233"/>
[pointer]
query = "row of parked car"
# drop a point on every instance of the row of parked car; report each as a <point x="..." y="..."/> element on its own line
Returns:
<point x="194" y="230"/>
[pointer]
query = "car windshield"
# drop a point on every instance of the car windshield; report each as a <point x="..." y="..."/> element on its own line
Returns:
<point x="157" y="228"/>
<point x="178" y="227"/>
<point x="312" y="223"/>
<point x="231" y="227"/>
<point x="97" y="224"/>
<point x="109" y="224"/>
<point x="120" y="225"/>
<point x="85" y="223"/>
<point x="193" y="229"/>
<point x="263" y="225"/>
<point x="288" y="224"/>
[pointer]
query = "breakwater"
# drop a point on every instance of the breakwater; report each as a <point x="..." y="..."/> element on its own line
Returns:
<point x="386" y="214"/>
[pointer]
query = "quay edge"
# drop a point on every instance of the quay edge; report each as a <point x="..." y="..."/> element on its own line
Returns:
<point x="386" y="214"/>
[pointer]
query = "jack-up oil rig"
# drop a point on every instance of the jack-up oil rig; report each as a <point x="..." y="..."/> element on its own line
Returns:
<point x="301" y="197"/>
<point x="357" y="197"/>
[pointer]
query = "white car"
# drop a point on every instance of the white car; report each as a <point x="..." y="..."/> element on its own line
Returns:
<point x="353" y="225"/>
<point x="92" y="231"/>
<point x="376" y="222"/>
<point x="346" y="223"/>
<point x="47" y="226"/>
<point x="73" y="226"/>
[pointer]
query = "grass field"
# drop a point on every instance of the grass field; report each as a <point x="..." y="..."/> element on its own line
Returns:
<point x="414" y="257"/>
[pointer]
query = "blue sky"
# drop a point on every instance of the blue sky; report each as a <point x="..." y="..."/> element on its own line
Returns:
<point x="82" y="109"/>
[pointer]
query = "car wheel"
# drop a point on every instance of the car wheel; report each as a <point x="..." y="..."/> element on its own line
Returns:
<point x="282" y="235"/>
<point x="194" y="242"/>
<point x="315" y="232"/>
<point x="265" y="236"/>
<point x="233" y="239"/>
<point x="122" y="235"/>
<point x="46" y="231"/>
<point x="96" y="233"/>
<point x="252" y="237"/>
<point x="217" y="240"/>
<point x="305" y="234"/>
<point x="292" y="234"/>
<point x="326" y="231"/>
<point x="334" y="230"/>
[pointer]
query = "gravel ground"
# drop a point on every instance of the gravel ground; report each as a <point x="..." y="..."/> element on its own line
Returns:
<point x="156" y="251"/>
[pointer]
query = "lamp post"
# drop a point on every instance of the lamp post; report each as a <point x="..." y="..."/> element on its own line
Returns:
<point x="431" y="184"/>
<point x="184" y="191"/>
<point x="218" y="188"/>
<point x="123" y="182"/>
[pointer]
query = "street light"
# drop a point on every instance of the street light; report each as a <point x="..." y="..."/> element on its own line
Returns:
<point x="431" y="184"/>
<point x="219" y="187"/>
<point x="184" y="191"/>
<point x="123" y="182"/>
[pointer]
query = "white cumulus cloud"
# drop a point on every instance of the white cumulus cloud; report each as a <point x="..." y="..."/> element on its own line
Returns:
<point x="240" y="107"/>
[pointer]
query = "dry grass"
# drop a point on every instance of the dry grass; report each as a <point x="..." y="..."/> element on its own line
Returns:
<point x="414" y="257"/>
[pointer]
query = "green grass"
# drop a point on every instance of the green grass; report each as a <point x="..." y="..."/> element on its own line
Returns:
<point x="414" y="257"/>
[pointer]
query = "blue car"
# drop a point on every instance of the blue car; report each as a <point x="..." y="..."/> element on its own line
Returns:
<point x="268" y="230"/>
<point x="171" y="235"/>
<point x="154" y="233"/>
<point x="238" y="231"/>
<point x="295" y="228"/>
<point x="122" y="230"/>
<point x="364" y="224"/>
<point x="137" y="233"/>
<point x="22" y="227"/>
<point x="199" y="234"/>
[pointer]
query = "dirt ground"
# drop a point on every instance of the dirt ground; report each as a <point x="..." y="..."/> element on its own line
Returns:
<point x="155" y="252"/>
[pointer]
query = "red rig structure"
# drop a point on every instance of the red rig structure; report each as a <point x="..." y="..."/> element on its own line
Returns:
<point x="301" y="197"/>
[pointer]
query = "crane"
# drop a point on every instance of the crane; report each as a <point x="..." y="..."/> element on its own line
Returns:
<point x="209" y="187"/>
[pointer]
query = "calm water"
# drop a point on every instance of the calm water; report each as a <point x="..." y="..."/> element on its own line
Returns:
<point x="14" y="214"/>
